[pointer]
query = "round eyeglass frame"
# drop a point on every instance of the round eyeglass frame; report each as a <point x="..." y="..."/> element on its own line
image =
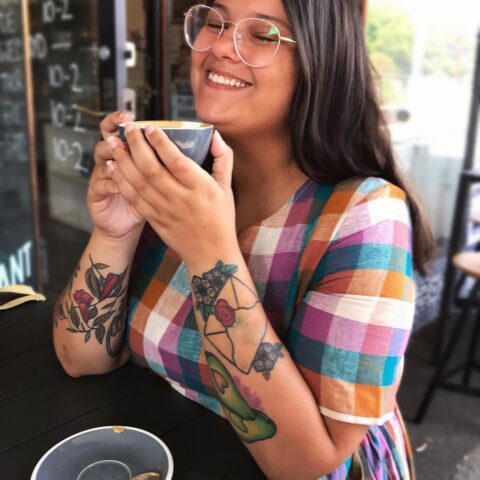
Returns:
<point x="281" y="38"/>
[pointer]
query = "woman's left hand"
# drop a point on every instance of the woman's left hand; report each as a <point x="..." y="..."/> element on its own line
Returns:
<point x="193" y="212"/>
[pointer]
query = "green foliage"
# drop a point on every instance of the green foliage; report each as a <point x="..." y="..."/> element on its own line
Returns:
<point x="386" y="69"/>
<point x="448" y="53"/>
<point x="390" y="32"/>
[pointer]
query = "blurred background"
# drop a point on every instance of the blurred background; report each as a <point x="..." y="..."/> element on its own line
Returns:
<point x="65" y="63"/>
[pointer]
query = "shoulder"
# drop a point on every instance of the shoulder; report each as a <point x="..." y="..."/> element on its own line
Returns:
<point x="369" y="208"/>
<point x="358" y="203"/>
<point x="342" y="197"/>
<point x="375" y="200"/>
<point x="362" y="190"/>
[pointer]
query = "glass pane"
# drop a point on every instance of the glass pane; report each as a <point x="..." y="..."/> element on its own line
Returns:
<point x="68" y="99"/>
<point x="181" y="98"/>
<point x="17" y="218"/>
<point x="424" y="53"/>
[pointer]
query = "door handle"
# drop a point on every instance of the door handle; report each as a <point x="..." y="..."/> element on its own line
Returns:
<point x="130" y="54"/>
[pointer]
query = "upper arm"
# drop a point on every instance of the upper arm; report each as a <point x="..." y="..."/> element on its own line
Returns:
<point x="346" y="437"/>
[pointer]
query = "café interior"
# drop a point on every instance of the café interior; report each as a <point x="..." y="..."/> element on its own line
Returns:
<point x="64" y="64"/>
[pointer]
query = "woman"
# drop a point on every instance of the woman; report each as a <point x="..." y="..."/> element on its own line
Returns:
<point x="278" y="290"/>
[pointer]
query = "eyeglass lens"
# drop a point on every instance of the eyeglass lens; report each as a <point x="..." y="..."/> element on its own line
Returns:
<point x="256" y="40"/>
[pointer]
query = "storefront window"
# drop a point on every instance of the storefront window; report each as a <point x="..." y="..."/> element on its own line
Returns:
<point x="424" y="53"/>
<point x="19" y="238"/>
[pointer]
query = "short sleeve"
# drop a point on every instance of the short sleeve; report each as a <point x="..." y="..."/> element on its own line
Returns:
<point x="350" y="331"/>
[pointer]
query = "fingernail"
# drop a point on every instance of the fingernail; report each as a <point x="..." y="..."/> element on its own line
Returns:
<point x="150" y="129"/>
<point x="111" y="166"/>
<point x="130" y="128"/>
<point x="219" y="138"/>
<point x="127" y="117"/>
<point x="112" y="142"/>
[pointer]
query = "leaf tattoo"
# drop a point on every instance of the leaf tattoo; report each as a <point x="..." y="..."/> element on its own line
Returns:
<point x="89" y="310"/>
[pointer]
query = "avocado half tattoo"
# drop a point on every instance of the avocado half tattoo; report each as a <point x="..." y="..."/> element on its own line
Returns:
<point x="227" y="324"/>
<point x="250" y="424"/>
<point x="87" y="311"/>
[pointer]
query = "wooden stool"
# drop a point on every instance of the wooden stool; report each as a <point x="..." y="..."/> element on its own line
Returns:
<point x="469" y="264"/>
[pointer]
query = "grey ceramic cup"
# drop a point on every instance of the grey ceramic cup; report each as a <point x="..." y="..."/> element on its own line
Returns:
<point x="192" y="138"/>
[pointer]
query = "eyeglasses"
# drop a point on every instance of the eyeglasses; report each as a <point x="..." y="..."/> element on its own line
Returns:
<point x="256" y="40"/>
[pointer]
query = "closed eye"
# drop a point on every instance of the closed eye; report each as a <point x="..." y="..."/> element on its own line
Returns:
<point x="214" y="25"/>
<point x="264" y="39"/>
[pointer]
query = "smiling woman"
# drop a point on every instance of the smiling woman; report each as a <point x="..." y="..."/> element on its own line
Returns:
<point x="276" y="291"/>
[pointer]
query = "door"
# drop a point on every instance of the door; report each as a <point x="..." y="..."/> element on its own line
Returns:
<point x="79" y="66"/>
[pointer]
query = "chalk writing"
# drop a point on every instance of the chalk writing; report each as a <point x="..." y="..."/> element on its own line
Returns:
<point x="18" y="269"/>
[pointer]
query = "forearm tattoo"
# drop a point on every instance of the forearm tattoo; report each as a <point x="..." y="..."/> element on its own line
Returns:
<point x="241" y="406"/>
<point x="227" y="307"/>
<point x="226" y="303"/>
<point x="88" y="311"/>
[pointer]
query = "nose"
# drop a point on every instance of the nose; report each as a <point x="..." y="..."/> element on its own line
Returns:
<point x="224" y="47"/>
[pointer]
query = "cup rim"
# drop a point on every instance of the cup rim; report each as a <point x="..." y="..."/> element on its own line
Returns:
<point x="169" y="124"/>
<point x="168" y="475"/>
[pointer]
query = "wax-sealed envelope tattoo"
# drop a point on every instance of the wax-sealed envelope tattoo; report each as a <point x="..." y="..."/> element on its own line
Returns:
<point x="228" y="308"/>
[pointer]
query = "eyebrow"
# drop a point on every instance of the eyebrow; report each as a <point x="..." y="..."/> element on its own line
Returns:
<point x="262" y="16"/>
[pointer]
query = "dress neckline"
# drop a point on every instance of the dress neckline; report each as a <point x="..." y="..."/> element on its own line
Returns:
<point x="271" y="218"/>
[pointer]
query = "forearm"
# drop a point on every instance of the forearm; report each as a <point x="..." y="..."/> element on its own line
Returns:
<point x="263" y="394"/>
<point x="90" y="314"/>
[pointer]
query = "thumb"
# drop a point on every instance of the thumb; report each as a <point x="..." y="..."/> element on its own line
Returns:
<point x="223" y="161"/>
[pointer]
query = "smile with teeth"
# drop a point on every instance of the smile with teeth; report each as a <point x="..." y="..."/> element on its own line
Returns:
<point x="229" y="82"/>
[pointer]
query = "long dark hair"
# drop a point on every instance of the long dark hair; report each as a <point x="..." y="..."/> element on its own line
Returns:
<point x="338" y="130"/>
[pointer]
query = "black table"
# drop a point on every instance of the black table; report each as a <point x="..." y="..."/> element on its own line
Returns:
<point x="40" y="405"/>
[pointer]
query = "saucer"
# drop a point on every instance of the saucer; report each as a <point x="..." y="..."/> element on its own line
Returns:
<point x="139" y="450"/>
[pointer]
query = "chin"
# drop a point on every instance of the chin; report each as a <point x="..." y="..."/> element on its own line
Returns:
<point x="211" y="115"/>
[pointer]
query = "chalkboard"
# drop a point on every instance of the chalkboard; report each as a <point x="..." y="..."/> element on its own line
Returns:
<point x="18" y="198"/>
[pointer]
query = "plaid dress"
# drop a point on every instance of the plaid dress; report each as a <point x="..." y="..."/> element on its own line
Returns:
<point x="333" y="269"/>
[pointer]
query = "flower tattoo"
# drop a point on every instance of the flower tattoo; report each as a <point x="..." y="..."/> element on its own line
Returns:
<point x="83" y="300"/>
<point x="224" y="313"/>
<point x="203" y="290"/>
<point x="207" y="287"/>
<point x="266" y="357"/>
<point x="88" y="310"/>
<point x="217" y="278"/>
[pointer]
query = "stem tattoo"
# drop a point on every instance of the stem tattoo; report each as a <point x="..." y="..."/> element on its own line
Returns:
<point x="87" y="311"/>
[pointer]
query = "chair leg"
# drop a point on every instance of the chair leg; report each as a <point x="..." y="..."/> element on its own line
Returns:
<point x="427" y="398"/>
<point x="471" y="351"/>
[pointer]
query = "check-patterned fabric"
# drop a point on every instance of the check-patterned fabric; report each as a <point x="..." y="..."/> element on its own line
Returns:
<point x="333" y="269"/>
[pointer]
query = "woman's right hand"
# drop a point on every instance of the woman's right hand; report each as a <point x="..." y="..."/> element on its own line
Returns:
<point x="111" y="214"/>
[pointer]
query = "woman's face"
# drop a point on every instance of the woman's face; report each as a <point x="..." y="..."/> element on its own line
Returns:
<point x="263" y="103"/>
